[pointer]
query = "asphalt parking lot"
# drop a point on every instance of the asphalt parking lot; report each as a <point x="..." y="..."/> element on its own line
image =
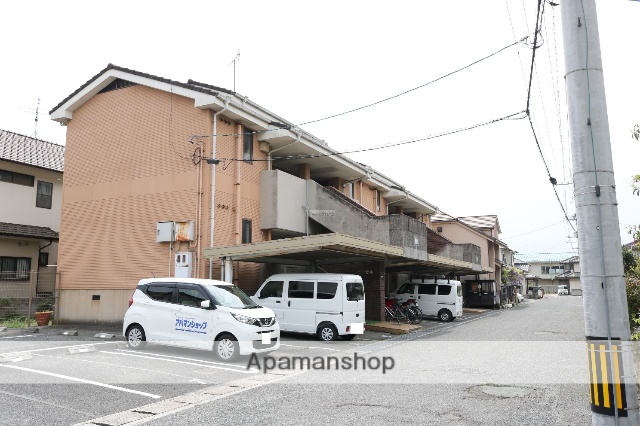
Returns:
<point x="77" y="374"/>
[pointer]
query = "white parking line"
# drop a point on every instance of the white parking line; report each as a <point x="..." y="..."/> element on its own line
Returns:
<point x="59" y="347"/>
<point x="252" y="371"/>
<point x="117" y="365"/>
<point x="76" y="379"/>
<point x="185" y="359"/>
<point x="311" y="347"/>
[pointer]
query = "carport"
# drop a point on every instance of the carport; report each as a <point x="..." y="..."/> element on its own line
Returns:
<point x="339" y="253"/>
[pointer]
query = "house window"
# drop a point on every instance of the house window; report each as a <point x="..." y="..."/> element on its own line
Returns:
<point x="247" y="147"/>
<point x="351" y="190"/>
<point x="43" y="199"/>
<point x="246" y="231"/>
<point x="378" y="200"/>
<point x="17" y="178"/>
<point x="43" y="259"/>
<point x="15" y="268"/>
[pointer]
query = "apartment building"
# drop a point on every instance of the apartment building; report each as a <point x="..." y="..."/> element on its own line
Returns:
<point x="168" y="178"/>
<point x="31" y="190"/>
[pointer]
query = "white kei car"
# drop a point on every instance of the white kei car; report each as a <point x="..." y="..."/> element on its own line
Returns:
<point x="199" y="314"/>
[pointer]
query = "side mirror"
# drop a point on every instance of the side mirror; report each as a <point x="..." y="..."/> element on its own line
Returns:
<point x="206" y="304"/>
<point x="261" y="296"/>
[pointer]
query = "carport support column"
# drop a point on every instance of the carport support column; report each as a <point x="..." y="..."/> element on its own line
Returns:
<point x="228" y="270"/>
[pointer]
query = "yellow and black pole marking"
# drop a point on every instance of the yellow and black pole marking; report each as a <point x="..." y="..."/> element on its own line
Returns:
<point x="606" y="386"/>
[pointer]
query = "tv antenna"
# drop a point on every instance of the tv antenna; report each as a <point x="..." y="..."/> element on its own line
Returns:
<point x="35" y="130"/>
<point x="236" y="59"/>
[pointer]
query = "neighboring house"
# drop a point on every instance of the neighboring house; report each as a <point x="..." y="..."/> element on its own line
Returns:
<point x="482" y="231"/>
<point x="31" y="190"/>
<point x="168" y="178"/>
<point x="547" y="269"/>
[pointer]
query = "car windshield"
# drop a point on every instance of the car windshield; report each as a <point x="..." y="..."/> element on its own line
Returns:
<point x="231" y="296"/>
<point x="405" y="288"/>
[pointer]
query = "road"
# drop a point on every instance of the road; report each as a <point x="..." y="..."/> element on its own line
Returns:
<point x="525" y="365"/>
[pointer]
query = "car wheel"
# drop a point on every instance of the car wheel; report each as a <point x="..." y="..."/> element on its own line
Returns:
<point x="227" y="348"/>
<point x="327" y="332"/>
<point x="136" y="338"/>
<point x="445" y="315"/>
<point x="348" y="336"/>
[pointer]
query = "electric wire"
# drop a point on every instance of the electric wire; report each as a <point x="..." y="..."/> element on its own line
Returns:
<point x="515" y="116"/>
<point x="535" y="136"/>
<point x="293" y="126"/>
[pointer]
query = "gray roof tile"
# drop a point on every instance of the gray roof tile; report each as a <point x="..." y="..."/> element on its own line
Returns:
<point x="28" y="231"/>
<point x="23" y="149"/>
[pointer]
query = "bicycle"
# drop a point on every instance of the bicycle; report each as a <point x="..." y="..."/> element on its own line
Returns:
<point x="413" y="306"/>
<point x="398" y="311"/>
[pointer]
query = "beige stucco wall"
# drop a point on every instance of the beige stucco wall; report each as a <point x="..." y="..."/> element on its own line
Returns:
<point x="458" y="234"/>
<point x="77" y="306"/>
<point x="129" y="164"/>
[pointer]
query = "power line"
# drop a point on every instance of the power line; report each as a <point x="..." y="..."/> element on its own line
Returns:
<point x="514" y="116"/>
<point x="292" y="126"/>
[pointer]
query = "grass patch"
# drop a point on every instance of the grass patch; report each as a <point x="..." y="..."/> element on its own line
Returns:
<point x="371" y="322"/>
<point x="16" y="322"/>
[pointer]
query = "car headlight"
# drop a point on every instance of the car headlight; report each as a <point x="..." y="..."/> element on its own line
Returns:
<point x="245" y="319"/>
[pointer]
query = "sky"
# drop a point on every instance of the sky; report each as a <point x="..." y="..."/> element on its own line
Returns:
<point x="309" y="60"/>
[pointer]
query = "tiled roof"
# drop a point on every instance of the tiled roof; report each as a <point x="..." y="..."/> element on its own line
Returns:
<point x="543" y="257"/>
<point x="33" y="152"/>
<point x="442" y="217"/>
<point x="488" y="221"/>
<point x="572" y="259"/>
<point x="192" y="85"/>
<point x="28" y="231"/>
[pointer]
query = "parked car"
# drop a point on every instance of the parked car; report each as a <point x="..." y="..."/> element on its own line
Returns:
<point x="536" y="292"/>
<point x="441" y="298"/>
<point x="563" y="289"/>
<point x="199" y="314"/>
<point x="329" y="305"/>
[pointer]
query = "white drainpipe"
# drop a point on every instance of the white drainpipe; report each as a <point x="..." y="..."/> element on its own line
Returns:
<point x="213" y="178"/>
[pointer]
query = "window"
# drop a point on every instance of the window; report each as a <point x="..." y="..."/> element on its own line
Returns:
<point x="355" y="291"/>
<point x="190" y="296"/>
<point x="444" y="290"/>
<point x="301" y="289"/>
<point x="160" y="292"/>
<point x="378" y="200"/>
<point x="43" y="259"/>
<point x="427" y="289"/>
<point x="17" y="178"/>
<point x="351" y="190"/>
<point x="327" y="290"/>
<point x="15" y="268"/>
<point x="43" y="199"/>
<point x="272" y="289"/>
<point x="247" y="146"/>
<point x="406" y="288"/>
<point x="246" y="231"/>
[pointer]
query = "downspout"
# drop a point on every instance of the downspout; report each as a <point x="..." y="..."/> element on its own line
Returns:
<point x="228" y="267"/>
<point x="214" y="146"/>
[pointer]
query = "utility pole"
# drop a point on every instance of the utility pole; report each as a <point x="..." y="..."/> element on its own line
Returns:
<point x="612" y="376"/>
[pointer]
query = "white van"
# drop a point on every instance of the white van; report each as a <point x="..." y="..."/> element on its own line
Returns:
<point x="199" y="314"/>
<point x="563" y="289"/>
<point x="329" y="305"/>
<point x="441" y="298"/>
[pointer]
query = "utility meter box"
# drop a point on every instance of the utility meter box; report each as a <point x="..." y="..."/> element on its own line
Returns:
<point x="164" y="232"/>
<point x="184" y="231"/>
<point x="183" y="264"/>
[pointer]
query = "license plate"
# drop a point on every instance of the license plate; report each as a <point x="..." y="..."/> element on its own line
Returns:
<point x="266" y="338"/>
<point x="357" y="328"/>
